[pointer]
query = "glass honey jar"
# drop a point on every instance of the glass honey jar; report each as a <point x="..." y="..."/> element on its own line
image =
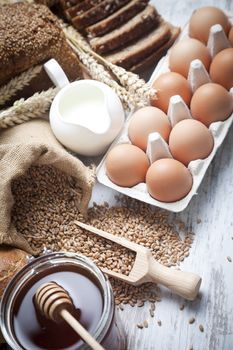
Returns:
<point x="24" y="327"/>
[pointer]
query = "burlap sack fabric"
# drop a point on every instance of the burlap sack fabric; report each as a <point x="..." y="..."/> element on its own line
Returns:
<point x="22" y="146"/>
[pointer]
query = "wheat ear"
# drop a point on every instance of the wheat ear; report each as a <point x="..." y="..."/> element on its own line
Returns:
<point x="18" y="83"/>
<point x="141" y="91"/>
<point x="24" y="110"/>
<point x="97" y="71"/>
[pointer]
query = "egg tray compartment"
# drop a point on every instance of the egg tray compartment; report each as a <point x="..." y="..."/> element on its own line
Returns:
<point x="197" y="167"/>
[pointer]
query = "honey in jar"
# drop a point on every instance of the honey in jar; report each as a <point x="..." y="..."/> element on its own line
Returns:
<point x="23" y="325"/>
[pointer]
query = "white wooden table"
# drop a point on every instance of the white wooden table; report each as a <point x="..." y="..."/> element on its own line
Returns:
<point x="213" y="242"/>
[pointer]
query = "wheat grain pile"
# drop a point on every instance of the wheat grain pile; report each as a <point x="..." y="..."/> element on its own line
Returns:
<point x="44" y="212"/>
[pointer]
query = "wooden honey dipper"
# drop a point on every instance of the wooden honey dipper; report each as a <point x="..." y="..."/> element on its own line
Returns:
<point x="55" y="303"/>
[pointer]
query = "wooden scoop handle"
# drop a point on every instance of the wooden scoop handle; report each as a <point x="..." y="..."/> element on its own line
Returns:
<point x="78" y="328"/>
<point x="185" y="284"/>
<point x="54" y="302"/>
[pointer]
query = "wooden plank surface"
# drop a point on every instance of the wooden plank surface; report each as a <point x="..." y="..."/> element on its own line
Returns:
<point x="213" y="242"/>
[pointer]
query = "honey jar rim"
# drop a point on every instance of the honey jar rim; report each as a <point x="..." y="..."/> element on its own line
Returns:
<point x="45" y="261"/>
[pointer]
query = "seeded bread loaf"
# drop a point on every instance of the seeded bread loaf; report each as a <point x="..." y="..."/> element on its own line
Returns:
<point x="142" y="23"/>
<point x="138" y="51"/>
<point x="97" y="13"/>
<point x="29" y="35"/>
<point x="118" y="18"/>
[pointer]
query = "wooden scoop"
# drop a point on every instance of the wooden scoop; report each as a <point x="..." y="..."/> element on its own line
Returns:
<point x="55" y="303"/>
<point x="147" y="269"/>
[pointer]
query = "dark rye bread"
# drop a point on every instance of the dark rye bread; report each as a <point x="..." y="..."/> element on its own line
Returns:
<point x="142" y="48"/>
<point x="65" y="4"/>
<point x="155" y="56"/>
<point x="135" y="28"/>
<point x="117" y="18"/>
<point x="97" y="13"/>
<point x="81" y="8"/>
<point x="48" y="3"/>
<point x="29" y="35"/>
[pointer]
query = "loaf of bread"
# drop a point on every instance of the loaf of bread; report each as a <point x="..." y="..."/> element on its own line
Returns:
<point x="11" y="261"/>
<point x="29" y="35"/>
<point x="128" y="33"/>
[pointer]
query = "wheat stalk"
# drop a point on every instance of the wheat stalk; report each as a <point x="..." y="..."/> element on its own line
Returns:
<point x="5" y="2"/>
<point x="138" y="87"/>
<point x="18" y="83"/>
<point x="24" y="110"/>
<point x="141" y="91"/>
<point x="98" y="72"/>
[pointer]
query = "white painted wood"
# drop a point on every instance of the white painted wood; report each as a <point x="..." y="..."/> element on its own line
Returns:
<point x="208" y="256"/>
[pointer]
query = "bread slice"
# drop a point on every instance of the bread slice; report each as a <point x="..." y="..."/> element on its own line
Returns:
<point x="133" y="29"/>
<point x="155" y="56"/>
<point x="65" y="4"/>
<point x="115" y="20"/>
<point x="141" y="49"/>
<point x="81" y="8"/>
<point x="97" y="13"/>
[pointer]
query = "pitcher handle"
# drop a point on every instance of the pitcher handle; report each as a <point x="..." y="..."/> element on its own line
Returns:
<point x="56" y="73"/>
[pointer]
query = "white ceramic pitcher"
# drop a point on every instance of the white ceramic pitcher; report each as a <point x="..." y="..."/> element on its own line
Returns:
<point x="85" y="115"/>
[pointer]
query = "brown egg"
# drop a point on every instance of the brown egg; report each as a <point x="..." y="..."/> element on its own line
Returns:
<point x="168" y="85"/>
<point x="203" y="19"/>
<point x="211" y="103"/>
<point x="190" y="140"/>
<point x="221" y="68"/>
<point x="145" y="121"/>
<point x="183" y="53"/>
<point x="126" y="165"/>
<point x="168" y="180"/>
<point x="230" y="36"/>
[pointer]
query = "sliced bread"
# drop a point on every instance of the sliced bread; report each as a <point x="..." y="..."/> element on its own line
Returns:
<point x="65" y="4"/>
<point x="81" y="8"/>
<point x="135" y="28"/>
<point x="141" y="49"/>
<point x="97" y="13"/>
<point x="118" y="18"/>
<point x="157" y="54"/>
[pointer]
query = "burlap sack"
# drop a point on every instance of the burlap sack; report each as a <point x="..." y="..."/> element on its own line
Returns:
<point x="22" y="146"/>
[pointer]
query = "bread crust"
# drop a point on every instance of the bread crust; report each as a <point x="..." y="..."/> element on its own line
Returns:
<point x="11" y="261"/>
<point x="29" y="35"/>
<point x="135" y="28"/>
<point x="81" y="8"/>
<point x="141" y="49"/>
<point x="118" y="18"/>
<point x="155" y="56"/>
<point x="97" y="13"/>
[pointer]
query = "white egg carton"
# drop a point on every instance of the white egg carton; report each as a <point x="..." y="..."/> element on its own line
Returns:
<point x="197" y="168"/>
